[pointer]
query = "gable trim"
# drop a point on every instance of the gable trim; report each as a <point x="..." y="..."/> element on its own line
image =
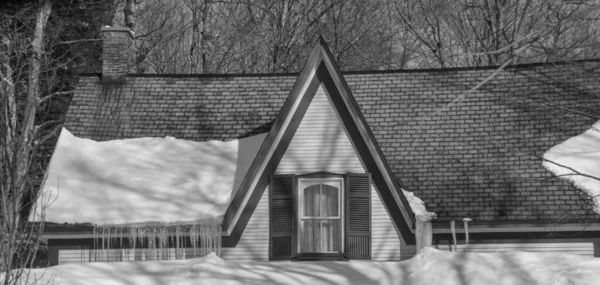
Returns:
<point x="255" y="180"/>
<point x="370" y="155"/>
<point x="319" y="70"/>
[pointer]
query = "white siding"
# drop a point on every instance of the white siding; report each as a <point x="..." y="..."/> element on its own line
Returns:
<point x="66" y="256"/>
<point x="385" y="241"/>
<point x="407" y="251"/>
<point x="320" y="143"/>
<point x="254" y="243"/>
<point x="580" y="248"/>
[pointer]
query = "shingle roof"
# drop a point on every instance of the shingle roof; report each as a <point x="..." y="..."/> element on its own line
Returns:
<point x="475" y="159"/>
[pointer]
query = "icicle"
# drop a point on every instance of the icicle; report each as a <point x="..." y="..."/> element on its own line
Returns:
<point x="95" y="237"/>
<point x="193" y="235"/>
<point x="102" y="240"/>
<point x="155" y="241"/>
<point x="452" y="228"/>
<point x="177" y="253"/>
<point x="110" y="245"/>
<point x="163" y="244"/>
<point x="466" y="221"/>
<point x="133" y="239"/>
<point x="120" y="235"/>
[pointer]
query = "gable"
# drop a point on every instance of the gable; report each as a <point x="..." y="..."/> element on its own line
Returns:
<point x="320" y="143"/>
<point x="319" y="70"/>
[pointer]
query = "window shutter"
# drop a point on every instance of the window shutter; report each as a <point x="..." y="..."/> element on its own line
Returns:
<point x="358" y="216"/>
<point x="281" y="217"/>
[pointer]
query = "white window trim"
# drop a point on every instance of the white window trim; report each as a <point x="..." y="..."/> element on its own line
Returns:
<point x="303" y="183"/>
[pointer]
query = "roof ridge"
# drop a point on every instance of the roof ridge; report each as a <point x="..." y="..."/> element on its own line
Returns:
<point x="352" y="72"/>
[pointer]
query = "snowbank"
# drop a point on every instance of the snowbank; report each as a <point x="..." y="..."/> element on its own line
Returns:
<point x="430" y="266"/>
<point x="582" y="154"/>
<point x="144" y="180"/>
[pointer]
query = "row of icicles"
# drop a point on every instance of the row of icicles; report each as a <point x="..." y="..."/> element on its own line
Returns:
<point x="154" y="242"/>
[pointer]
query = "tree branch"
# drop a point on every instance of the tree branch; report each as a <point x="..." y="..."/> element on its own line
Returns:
<point x="55" y="94"/>
<point x="78" y="41"/>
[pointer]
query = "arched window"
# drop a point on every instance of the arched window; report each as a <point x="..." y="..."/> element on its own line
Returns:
<point x="320" y="215"/>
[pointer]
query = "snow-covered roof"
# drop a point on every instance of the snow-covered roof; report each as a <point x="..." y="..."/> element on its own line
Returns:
<point x="144" y="180"/>
<point x="577" y="160"/>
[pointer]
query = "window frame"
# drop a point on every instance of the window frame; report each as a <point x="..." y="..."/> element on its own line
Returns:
<point x="304" y="181"/>
<point x="302" y="184"/>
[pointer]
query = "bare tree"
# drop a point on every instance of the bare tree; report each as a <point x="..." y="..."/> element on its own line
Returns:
<point x="488" y="32"/>
<point x="20" y="134"/>
<point x="199" y="10"/>
<point x="41" y="45"/>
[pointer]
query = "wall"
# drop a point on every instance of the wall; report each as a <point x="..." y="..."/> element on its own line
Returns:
<point x="572" y="247"/>
<point x="254" y="243"/>
<point x="66" y="256"/>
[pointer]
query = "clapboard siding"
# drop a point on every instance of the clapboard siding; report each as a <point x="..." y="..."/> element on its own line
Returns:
<point x="407" y="251"/>
<point x="580" y="248"/>
<point x="385" y="241"/>
<point x="66" y="256"/>
<point x="254" y="243"/>
<point x="321" y="145"/>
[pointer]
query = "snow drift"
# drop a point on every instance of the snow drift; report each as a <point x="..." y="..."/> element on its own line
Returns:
<point x="429" y="266"/>
<point x="577" y="160"/>
<point x="144" y="180"/>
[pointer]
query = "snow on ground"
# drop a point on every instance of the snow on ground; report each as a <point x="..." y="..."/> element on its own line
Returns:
<point x="144" y="179"/>
<point x="581" y="153"/>
<point x="429" y="267"/>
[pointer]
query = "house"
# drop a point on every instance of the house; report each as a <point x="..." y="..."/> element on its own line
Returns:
<point x="335" y="152"/>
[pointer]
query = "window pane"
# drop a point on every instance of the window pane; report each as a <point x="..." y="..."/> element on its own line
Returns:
<point x="329" y="201"/>
<point x="311" y="201"/>
<point x="320" y="236"/>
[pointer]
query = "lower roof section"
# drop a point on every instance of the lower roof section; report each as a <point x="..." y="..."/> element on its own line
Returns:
<point x="144" y="180"/>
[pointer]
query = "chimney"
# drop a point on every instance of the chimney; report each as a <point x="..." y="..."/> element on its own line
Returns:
<point x="117" y="53"/>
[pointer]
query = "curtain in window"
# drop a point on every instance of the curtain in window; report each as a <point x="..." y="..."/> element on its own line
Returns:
<point x="321" y="221"/>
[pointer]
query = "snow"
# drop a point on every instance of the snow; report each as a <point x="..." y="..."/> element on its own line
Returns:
<point x="144" y="180"/>
<point x="149" y="180"/>
<point x="418" y="206"/>
<point x="582" y="154"/>
<point x="429" y="266"/>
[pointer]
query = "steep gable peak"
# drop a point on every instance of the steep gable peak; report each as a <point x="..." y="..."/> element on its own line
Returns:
<point x="320" y="70"/>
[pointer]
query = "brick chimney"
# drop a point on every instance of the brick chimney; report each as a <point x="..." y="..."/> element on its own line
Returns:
<point x="117" y="53"/>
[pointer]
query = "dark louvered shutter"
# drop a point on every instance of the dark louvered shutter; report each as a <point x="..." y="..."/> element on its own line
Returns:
<point x="358" y="216"/>
<point x="281" y="216"/>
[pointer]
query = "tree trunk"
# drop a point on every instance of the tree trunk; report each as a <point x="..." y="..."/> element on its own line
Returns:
<point x="204" y="36"/>
<point x="19" y="149"/>
<point x="129" y="18"/>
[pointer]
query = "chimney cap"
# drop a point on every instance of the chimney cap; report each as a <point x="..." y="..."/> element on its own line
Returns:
<point x="107" y="28"/>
